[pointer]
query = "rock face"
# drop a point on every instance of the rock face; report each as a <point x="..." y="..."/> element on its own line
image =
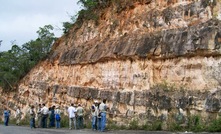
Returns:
<point x="149" y="59"/>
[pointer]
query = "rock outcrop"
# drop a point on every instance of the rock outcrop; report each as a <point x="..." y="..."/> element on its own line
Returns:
<point x="149" y="59"/>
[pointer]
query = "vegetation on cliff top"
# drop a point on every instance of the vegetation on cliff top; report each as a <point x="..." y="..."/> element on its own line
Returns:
<point x="17" y="62"/>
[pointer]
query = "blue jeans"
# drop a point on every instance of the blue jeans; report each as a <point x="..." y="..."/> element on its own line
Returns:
<point x="99" y="124"/>
<point x="58" y="124"/>
<point x="6" y="120"/>
<point x="44" y="121"/>
<point x="80" y="122"/>
<point x="32" y="122"/>
<point x="103" y="121"/>
<point x="94" y="122"/>
<point x="52" y="122"/>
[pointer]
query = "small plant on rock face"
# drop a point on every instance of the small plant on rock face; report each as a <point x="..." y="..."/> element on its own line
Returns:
<point x="26" y="120"/>
<point x="214" y="126"/>
<point x="165" y="86"/>
<point x="133" y="125"/>
<point x="64" y="121"/>
<point x="112" y="125"/>
<point x="195" y="124"/>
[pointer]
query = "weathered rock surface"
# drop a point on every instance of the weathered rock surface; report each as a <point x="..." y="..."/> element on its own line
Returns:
<point x="148" y="60"/>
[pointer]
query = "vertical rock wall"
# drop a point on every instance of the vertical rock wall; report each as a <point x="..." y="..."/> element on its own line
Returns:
<point x="151" y="60"/>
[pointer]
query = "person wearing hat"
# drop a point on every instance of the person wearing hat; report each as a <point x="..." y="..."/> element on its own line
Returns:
<point x="57" y="117"/>
<point x="94" y="115"/>
<point x="80" y="114"/>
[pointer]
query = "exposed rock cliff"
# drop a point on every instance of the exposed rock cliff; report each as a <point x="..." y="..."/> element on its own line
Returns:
<point x="146" y="58"/>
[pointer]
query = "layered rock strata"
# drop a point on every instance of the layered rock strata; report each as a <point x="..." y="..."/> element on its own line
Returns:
<point x="150" y="60"/>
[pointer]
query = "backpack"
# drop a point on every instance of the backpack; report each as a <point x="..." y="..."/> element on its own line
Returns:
<point x="57" y="117"/>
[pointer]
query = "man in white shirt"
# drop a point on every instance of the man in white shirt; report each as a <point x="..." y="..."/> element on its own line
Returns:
<point x="18" y="116"/>
<point x="102" y="109"/>
<point x="72" y="118"/>
<point x="44" y="111"/>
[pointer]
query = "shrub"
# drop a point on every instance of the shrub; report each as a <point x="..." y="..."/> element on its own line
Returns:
<point x="214" y="126"/>
<point x="133" y="125"/>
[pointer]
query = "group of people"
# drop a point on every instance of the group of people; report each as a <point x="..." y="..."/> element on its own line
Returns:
<point x="42" y="114"/>
<point x="53" y="115"/>
<point x="7" y="114"/>
<point x="98" y="112"/>
<point x="98" y="116"/>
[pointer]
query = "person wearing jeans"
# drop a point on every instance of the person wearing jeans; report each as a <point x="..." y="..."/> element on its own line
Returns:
<point x="57" y="121"/>
<point x="32" y="119"/>
<point x="94" y="113"/>
<point x="6" y="117"/>
<point x="103" y="121"/>
<point x="102" y="110"/>
<point x="80" y="114"/>
<point x="72" y="119"/>
<point x="44" y="112"/>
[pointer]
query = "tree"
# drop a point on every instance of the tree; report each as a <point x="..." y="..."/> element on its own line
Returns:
<point x="18" y="61"/>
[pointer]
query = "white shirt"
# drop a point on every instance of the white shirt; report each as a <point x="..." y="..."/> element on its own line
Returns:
<point x="103" y="107"/>
<point x="18" y="112"/>
<point x="57" y="111"/>
<point x="71" y="112"/>
<point x="95" y="112"/>
<point x="44" y="110"/>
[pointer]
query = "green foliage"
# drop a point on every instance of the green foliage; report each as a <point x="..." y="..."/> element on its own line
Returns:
<point x="165" y="86"/>
<point x="88" y="11"/>
<point x="66" y="26"/>
<point x="112" y="125"/>
<point x="88" y="4"/>
<point x="175" y="127"/>
<point x="17" y="62"/>
<point x="64" y="121"/>
<point x="195" y="124"/>
<point x="134" y="125"/>
<point x="157" y="125"/>
<point x="214" y="126"/>
<point x="26" y="120"/>
<point x="152" y="126"/>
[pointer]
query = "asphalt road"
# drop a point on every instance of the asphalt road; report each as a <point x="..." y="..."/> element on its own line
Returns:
<point x="27" y="130"/>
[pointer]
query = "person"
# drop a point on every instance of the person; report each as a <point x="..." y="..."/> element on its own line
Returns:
<point x="39" y="115"/>
<point x="52" y="117"/>
<point x="98" y="118"/>
<point x="71" y="114"/>
<point x="80" y="114"/>
<point x="44" y="112"/>
<point x="94" y="114"/>
<point x="57" y="117"/>
<point x="18" y="115"/>
<point x="102" y="110"/>
<point x="6" y="116"/>
<point x="32" y="117"/>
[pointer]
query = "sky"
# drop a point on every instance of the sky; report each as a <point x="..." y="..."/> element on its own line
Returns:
<point x="21" y="19"/>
